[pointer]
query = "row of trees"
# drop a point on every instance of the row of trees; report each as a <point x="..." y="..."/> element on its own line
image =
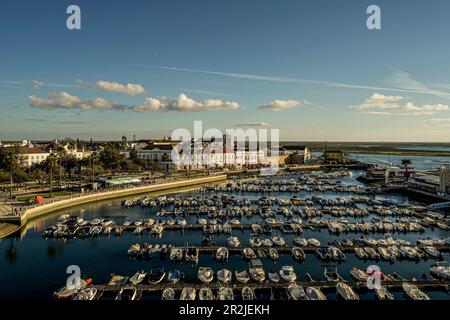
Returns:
<point x="62" y="165"/>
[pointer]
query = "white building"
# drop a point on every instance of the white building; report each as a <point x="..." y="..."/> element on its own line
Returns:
<point x="33" y="155"/>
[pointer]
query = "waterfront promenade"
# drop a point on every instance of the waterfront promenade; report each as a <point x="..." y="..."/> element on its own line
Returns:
<point x="24" y="213"/>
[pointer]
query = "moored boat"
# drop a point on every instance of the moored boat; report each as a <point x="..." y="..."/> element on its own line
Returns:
<point x="315" y="294"/>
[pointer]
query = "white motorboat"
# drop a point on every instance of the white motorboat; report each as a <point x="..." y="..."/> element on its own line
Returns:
<point x="413" y="292"/>
<point x="224" y="275"/>
<point x="274" y="277"/>
<point x="168" y="294"/>
<point x="287" y="274"/>
<point x="249" y="253"/>
<point x="88" y="293"/>
<point x="188" y="293"/>
<point x="222" y="254"/>
<point x="205" y="274"/>
<point x="359" y="274"/>
<point x="234" y="242"/>
<point x="256" y="271"/>
<point x="225" y="293"/>
<point x="205" y="294"/>
<point x="382" y="293"/>
<point x="127" y="293"/>
<point x="248" y="293"/>
<point x="138" y="277"/>
<point x="346" y="292"/>
<point x="441" y="270"/>
<point x="315" y="294"/>
<point x="242" y="276"/>
<point x="296" y="292"/>
<point x="313" y="242"/>
<point x="432" y="251"/>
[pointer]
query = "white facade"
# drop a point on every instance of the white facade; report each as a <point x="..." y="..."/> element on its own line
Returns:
<point x="33" y="156"/>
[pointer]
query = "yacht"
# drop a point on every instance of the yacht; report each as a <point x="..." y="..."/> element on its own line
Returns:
<point x="301" y="242"/>
<point x="234" y="242"/>
<point x="67" y="292"/>
<point x="256" y="271"/>
<point x="176" y="254"/>
<point x="332" y="275"/>
<point x="188" y="293"/>
<point x="127" y="293"/>
<point x="346" y="292"/>
<point x="168" y="294"/>
<point x="359" y="274"/>
<point x="249" y="253"/>
<point x="278" y="241"/>
<point x="382" y="293"/>
<point x="413" y="292"/>
<point x="274" y="276"/>
<point x="225" y="293"/>
<point x="287" y="274"/>
<point x="174" y="276"/>
<point x="248" y="293"/>
<point x="156" y="275"/>
<point x="205" y="274"/>
<point x="87" y="293"/>
<point x="138" y="277"/>
<point x="432" y="251"/>
<point x="222" y="254"/>
<point x="440" y="270"/>
<point x="205" y="294"/>
<point x="273" y="254"/>
<point x="242" y="276"/>
<point x="224" y="275"/>
<point x="337" y="254"/>
<point x="296" y="292"/>
<point x="191" y="255"/>
<point x="314" y="242"/>
<point x="361" y="253"/>
<point x="315" y="294"/>
<point x="298" y="253"/>
<point x="255" y="242"/>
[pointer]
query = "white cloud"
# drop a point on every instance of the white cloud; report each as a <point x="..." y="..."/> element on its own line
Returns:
<point x="64" y="100"/>
<point x="379" y="104"/>
<point x="402" y="80"/>
<point x="252" y="124"/>
<point x="438" y="122"/>
<point x="398" y="81"/>
<point x="185" y="104"/>
<point x="131" y="89"/>
<point x="279" y="105"/>
<point x="36" y="83"/>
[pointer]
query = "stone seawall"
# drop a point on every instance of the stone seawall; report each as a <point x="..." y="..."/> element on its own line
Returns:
<point x="79" y="200"/>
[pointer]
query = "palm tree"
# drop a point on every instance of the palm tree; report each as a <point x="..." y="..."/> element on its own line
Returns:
<point x="405" y="164"/>
<point x="51" y="160"/>
<point x="92" y="159"/>
<point x="60" y="154"/>
<point x="10" y="159"/>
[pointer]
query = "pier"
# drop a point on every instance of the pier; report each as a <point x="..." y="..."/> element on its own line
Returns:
<point x="64" y="203"/>
<point x="266" y="285"/>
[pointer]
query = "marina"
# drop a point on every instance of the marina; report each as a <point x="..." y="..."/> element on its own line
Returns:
<point x="307" y="235"/>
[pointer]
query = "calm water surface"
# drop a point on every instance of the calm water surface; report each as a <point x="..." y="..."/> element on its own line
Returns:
<point x="33" y="267"/>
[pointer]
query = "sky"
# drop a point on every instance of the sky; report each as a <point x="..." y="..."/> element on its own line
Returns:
<point x="311" y="69"/>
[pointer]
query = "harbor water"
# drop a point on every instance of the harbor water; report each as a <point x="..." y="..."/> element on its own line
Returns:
<point x="32" y="267"/>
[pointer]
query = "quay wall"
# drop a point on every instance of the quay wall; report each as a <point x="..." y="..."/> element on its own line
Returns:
<point x="64" y="204"/>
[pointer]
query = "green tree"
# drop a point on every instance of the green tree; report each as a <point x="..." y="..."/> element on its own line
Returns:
<point x="10" y="161"/>
<point x="111" y="158"/>
<point x="51" y="161"/>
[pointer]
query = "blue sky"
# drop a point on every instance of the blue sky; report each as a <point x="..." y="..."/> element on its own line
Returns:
<point x="309" y="68"/>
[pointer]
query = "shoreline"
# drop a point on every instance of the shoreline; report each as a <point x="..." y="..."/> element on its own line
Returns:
<point x="40" y="211"/>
